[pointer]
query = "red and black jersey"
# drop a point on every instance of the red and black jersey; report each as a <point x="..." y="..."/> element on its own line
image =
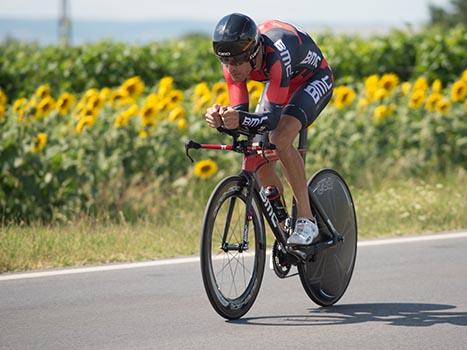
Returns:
<point x="290" y="58"/>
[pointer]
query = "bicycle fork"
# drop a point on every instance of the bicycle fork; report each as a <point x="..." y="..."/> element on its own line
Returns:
<point x="225" y="246"/>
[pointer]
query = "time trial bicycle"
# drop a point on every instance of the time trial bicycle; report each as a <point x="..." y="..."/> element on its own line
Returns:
<point x="233" y="240"/>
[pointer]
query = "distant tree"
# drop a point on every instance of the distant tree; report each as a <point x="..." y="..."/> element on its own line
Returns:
<point x="456" y="15"/>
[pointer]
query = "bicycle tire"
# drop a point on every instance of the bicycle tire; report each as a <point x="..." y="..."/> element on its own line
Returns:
<point x="231" y="191"/>
<point x="326" y="278"/>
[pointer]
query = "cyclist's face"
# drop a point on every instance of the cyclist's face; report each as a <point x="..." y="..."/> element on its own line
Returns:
<point x="239" y="71"/>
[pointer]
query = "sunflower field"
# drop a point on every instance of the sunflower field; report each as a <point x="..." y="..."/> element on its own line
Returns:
<point x="65" y="153"/>
<point x="436" y="53"/>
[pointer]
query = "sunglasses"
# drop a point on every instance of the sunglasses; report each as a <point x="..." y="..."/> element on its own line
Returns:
<point x="236" y="60"/>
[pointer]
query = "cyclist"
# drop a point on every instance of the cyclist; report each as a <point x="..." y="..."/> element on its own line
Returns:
<point x="299" y="85"/>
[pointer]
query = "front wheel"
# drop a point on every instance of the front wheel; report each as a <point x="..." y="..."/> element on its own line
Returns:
<point x="232" y="277"/>
<point x="326" y="277"/>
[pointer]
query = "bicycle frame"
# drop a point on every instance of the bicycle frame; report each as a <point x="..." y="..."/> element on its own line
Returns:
<point x="251" y="163"/>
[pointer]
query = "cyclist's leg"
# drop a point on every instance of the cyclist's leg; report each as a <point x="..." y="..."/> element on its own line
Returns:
<point x="304" y="106"/>
<point x="266" y="174"/>
<point x="283" y="137"/>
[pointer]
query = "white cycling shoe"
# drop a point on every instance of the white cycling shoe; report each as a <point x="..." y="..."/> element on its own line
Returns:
<point x="305" y="232"/>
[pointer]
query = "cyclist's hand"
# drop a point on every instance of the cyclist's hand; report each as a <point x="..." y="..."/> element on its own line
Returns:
<point x="231" y="118"/>
<point x="213" y="117"/>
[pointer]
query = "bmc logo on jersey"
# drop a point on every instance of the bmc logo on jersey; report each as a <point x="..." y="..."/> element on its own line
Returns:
<point x="253" y="122"/>
<point x="312" y="59"/>
<point x="319" y="88"/>
<point x="285" y="56"/>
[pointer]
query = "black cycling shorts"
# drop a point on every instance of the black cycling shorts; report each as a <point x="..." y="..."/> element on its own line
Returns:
<point x="309" y="99"/>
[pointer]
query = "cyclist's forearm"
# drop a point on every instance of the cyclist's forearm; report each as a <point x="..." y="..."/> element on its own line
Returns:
<point x="265" y="120"/>
<point x="241" y="107"/>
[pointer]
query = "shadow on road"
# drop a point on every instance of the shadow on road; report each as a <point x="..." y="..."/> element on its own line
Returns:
<point x="396" y="314"/>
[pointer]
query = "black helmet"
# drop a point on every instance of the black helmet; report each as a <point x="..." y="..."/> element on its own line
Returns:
<point x="236" y="35"/>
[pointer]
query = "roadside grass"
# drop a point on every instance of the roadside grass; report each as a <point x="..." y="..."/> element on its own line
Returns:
<point x="171" y="224"/>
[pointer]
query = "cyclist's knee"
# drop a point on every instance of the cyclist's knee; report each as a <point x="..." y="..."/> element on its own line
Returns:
<point x="285" y="133"/>
<point x="280" y="139"/>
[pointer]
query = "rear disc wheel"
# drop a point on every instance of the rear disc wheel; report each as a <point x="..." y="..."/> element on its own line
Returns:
<point x="326" y="277"/>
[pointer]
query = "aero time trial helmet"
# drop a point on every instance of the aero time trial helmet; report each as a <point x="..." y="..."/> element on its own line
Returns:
<point x="236" y="39"/>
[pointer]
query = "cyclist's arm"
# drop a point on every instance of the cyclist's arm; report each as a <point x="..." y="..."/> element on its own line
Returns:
<point x="275" y="98"/>
<point x="238" y="92"/>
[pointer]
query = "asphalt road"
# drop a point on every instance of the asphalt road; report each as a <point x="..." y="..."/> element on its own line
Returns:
<point x="407" y="295"/>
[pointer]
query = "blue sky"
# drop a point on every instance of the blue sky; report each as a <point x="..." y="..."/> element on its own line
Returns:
<point x="348" y="11"/>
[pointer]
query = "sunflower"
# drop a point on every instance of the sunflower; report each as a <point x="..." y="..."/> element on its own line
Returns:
<point x="19" y="105"/>
<point x="133" y="86"/>
<point x="94" y="102"/>
<point x="343" y="96"/>
<point x="88" y="112"/>
<point x="104" y="93"/>
<point x="132" y="111"/>
<point x="119" y="97"/>
<point x="45" y="106"/>
<point x="203" y="102"/>
<point x="437" y="86"/>
<point x="165" y="86"/>
<point x="380" y="113"/>
<point x="39" y="142"/>
<point x="2" y="112"/>
<point x="149" y="111"/>
<point x="254" y="86"/>
<point x="417" y="99"/>
<point x="65" y="103"/>
<point x="148" y="121"/>
<point x="431" y="101"/>
<point x="458" y="91"/>
<point x="43" y="91"/>
<point x="464" y="76"/>
<point x="363" y="102"/>
<point x="420" y="84"/>
<point x="30" y="109"/>
<point x="370" y="93"/>
<point x="405" y="87"/>
<point x="148" y="115"/>
<point x="255" y="96"/>
<point x="204" y="169"/>
<point x="176" y="96"/>
<point x="381" y="93"/>
<point x="182" y="124"/>
<point x="200" y="90"/>
<point x="223" y="99"/>
<point x="443" y="106"/>
<point x="121" y="120"/>
<point x="3" y="98"/>
<point x="219" y="88"/>
<point x="152" y="99"/>
<point x="90" y="93"/>
<point x="388" y="82"/>
<point x="371" y="82"/>
<point x="86" y="121"/>
<point x="143" y="134"/>
<point x="177" y="113"/>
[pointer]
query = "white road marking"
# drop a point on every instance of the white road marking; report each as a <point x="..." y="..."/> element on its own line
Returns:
<point x="71" y="271"/>
<point x="413" y="239"/>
